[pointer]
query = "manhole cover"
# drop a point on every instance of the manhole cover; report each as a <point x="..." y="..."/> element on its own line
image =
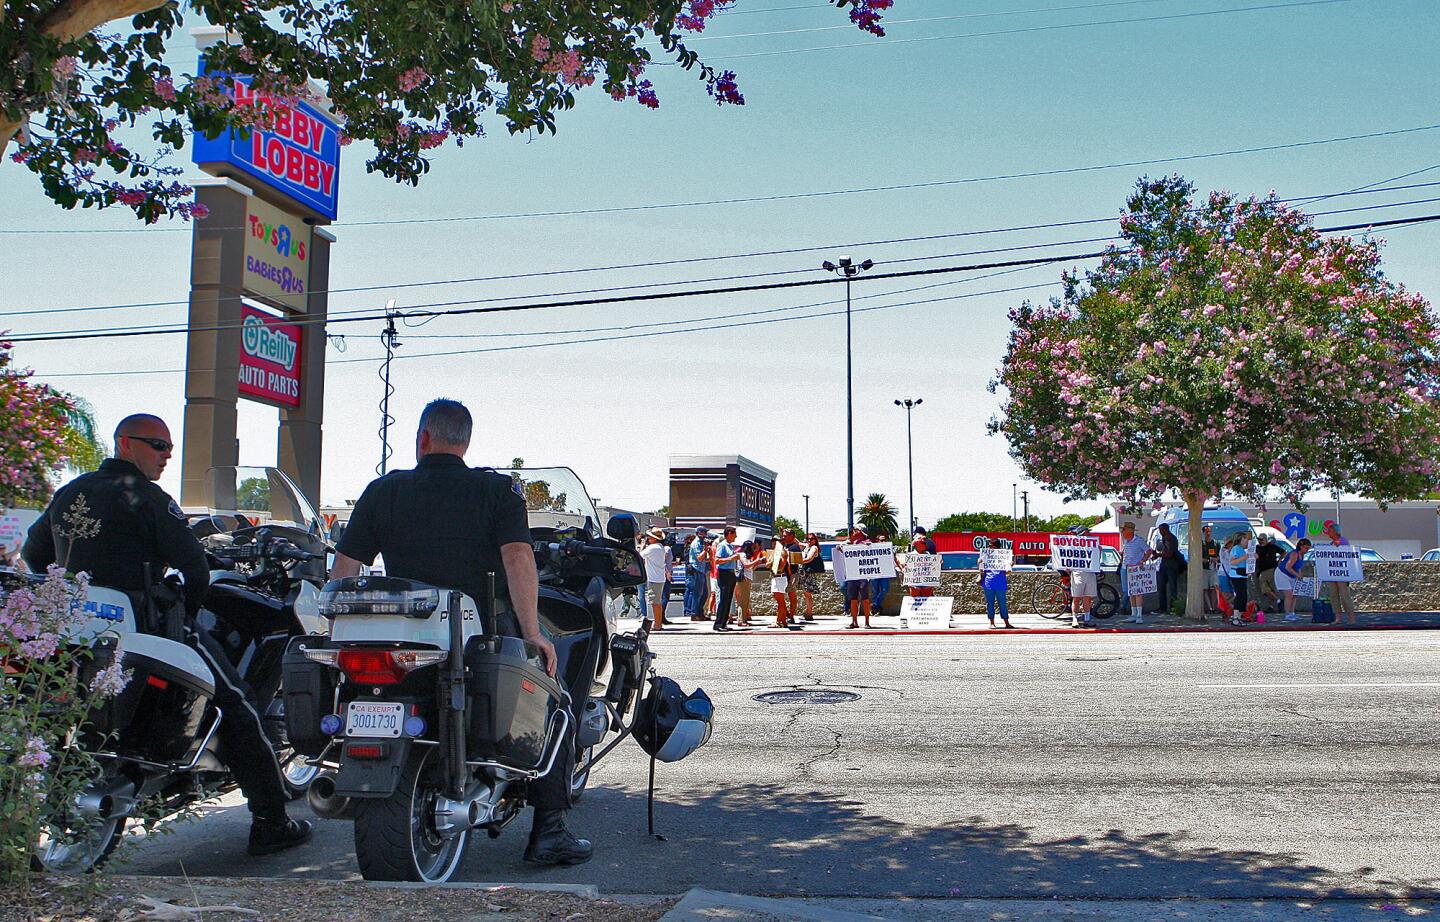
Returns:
<point x="807" y="696"/>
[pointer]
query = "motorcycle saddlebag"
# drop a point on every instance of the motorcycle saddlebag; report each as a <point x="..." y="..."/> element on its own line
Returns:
<point x="163" y="711"/>
<point x="511" y="700"/>
<point x="309" y="695"/>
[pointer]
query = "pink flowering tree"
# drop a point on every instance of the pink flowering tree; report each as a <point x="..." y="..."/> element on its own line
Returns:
<point x="50" y="684"/>
<point x="35" y="424"/>
<point x="75" y="74"/>
<point x="1226" y="348"/>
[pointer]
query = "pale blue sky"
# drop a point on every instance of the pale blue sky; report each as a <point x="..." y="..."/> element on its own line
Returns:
<point x="886" y="112"/>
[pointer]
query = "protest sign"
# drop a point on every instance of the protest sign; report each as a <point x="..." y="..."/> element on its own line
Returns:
<point x="1075" y="552"/>
<point x="922" y="569"/>
<point x="997" y="558"/>
<point x="1337" y="563"/>
<point x="863" y="561"/>
<point x="14" y="523"/>
<point x="1140" y="580"/>
<point x="1305" y="587"/>
<point x="927" y="614"/>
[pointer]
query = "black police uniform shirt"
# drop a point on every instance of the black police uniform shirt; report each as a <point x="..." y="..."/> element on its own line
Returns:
<point x="441" y="523"/>
<point x="110" y="523"/>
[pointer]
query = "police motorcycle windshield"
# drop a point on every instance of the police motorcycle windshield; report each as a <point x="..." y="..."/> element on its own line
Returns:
<point x="240" y="497"/>
<point x="554" y="497"/>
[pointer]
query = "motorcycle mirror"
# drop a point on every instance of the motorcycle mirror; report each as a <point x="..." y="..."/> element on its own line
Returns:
<point x="622" y="527"/>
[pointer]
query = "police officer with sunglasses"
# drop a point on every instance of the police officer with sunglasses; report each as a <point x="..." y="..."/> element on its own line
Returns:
<point x="116" y="524"/>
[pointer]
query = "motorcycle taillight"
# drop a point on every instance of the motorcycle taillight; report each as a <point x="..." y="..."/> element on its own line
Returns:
<point x="383" y="667"/>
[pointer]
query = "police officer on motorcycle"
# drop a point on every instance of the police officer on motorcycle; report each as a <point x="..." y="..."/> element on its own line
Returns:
<point x="119" y="526"/>
<point x="449" y="525"/>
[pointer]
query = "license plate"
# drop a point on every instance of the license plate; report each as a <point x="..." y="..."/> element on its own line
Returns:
<point x="374" y="719"/>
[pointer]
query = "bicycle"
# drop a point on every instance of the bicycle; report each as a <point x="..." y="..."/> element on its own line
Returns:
<point x="1051" y="598"/>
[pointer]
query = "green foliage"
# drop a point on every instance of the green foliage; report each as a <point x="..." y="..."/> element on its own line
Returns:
<point x="995" y="521"/>
<point x="33" y="442"/>
<point x="975" y="521"/>
<point x="878" y="515"/>
<point x="253" y="495"/>
<point x="783" y="522"/>
<point x="404" y="76"/>
<point x="82" y="443"/>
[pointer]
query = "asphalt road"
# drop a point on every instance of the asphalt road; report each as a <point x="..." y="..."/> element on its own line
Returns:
<point x="1215" y="766"/>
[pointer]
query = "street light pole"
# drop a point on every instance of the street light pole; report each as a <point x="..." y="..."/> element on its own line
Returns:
<point x="848" y="270"/>
<point x="910" y="404"/>
<point x="1025" y="498"/>
<point x="807" y="512"/>
<point x="1014" y="519"/>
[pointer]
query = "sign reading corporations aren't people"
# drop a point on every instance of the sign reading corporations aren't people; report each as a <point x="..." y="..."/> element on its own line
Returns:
<point x="1075" y="553"/>
<point x="269" y="358"/>
<point x="1337" y="563"/>
<point x="863" y="561"/>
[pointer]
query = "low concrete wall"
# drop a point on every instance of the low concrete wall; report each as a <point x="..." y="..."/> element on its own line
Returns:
<point x="1412" y="585"/>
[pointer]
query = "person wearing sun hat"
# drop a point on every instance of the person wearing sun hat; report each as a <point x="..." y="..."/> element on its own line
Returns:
<point x="657" y="559"/>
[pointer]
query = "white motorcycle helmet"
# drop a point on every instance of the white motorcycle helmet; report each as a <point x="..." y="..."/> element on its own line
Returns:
<point x="670" y="724"/>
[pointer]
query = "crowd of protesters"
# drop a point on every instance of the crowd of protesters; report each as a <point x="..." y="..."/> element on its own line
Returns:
<point x="1242" y="574"/>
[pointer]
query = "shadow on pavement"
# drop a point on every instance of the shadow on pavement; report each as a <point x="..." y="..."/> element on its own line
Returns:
<point x="763" y="840"/>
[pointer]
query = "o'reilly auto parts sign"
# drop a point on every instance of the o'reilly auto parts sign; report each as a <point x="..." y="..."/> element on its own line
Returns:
<point x="269" y="358"/>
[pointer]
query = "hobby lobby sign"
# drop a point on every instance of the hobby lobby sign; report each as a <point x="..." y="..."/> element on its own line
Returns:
<point x="295" y="150"/>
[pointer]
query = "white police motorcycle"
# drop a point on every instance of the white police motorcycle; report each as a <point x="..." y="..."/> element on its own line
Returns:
<point x="429" y="722"/>
<point x="156" y="740"/>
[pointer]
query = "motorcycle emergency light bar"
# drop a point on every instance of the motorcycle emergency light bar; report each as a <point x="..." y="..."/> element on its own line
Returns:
<point x="415" y="603"/>
<point x="372" y="666"/>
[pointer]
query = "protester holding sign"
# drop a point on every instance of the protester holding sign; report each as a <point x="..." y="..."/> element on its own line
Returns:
<point x="1078" y="556"/>
<point x="857" y="590"/>
<point x="921" y="569"/>
<point x="996" y="585"/>
<point x="1134" y="552"/>
<point x="812" y="563"/>
<point x="1288" y="574"/>
<point x="1340" y="595"/>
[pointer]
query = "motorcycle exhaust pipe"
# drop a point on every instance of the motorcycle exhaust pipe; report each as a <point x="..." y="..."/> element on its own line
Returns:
<point x="99" y="805"/>
<point x="325" y="802"/>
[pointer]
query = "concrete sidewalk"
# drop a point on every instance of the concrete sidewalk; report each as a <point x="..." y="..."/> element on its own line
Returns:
<point x="710" y="906"/>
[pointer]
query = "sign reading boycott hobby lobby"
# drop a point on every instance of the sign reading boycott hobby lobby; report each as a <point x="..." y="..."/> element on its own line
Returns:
<point x="277" y="255"/>
<point x="269" y="358"/>
<point x="1075" y="552"/>
<point x="295" y="151"/>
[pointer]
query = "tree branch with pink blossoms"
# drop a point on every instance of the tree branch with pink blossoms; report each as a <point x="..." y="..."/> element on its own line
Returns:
<point x="1228" y="347"/>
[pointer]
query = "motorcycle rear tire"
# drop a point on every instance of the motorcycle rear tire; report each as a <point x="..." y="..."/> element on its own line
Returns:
<point x="395" y="838"/>
<point x="83" y="856"/>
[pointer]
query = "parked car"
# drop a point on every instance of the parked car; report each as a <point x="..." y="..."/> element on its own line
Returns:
<point x="1432" y="554"/>
<point x="1224" y="521"/>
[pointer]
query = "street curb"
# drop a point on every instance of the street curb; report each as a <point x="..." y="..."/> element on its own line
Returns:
<point x="585" y="891"/>
<point x="1079" y="631"/>
<point x="701" y="905"/>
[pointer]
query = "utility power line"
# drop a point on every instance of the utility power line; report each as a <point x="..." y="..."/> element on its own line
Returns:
<point x="1368" y="189"/>
<point x="454" y="309"/>
<point x="778" y="197"/>
<point x="888" y="42"/>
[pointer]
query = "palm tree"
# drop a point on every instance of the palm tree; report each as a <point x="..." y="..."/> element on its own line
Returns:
<point x="85" y="448"/>
<point x="878" y="515"/>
